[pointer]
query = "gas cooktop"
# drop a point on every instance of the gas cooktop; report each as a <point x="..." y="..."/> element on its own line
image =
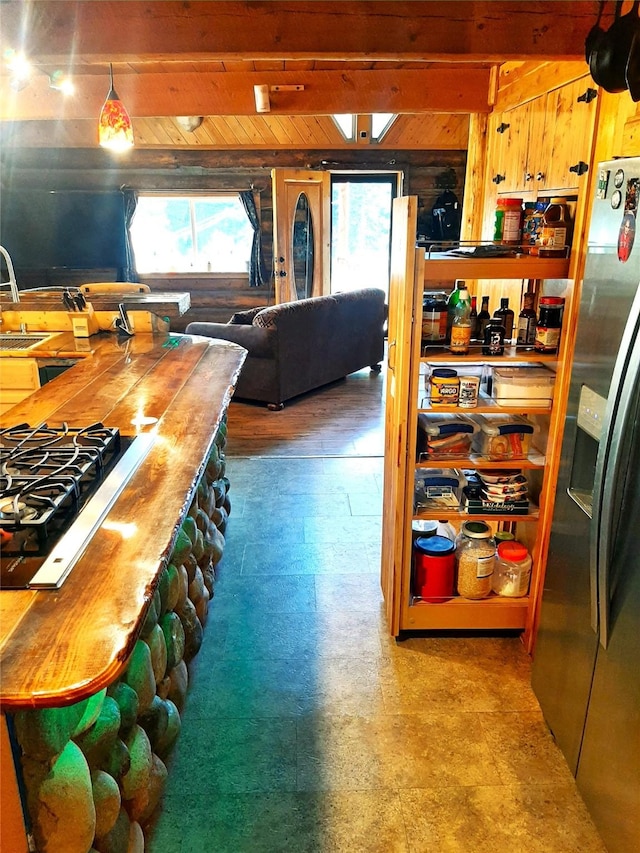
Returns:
<point x="56" y="486"/>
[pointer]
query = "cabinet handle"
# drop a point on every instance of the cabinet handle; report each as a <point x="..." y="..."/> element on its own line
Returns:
<point x="282" y="274"/>
<point x="580" y="168"/>
<point x="497" y="179"/>
<point x="540" y="176"/>
<point x="588" y="96"/>
<point x="527" y="176"/>
<point x="502" y="127"/>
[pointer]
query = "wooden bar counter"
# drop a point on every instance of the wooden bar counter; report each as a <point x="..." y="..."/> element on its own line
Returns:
<point x="63" y="648"/>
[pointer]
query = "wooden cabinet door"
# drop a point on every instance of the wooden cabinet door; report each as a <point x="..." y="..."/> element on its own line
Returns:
<point x="516" y="148"/>
<point x="538" y="145"/>
<point x="570" y="118"/>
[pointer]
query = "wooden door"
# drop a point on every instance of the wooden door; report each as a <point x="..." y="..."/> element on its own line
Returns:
<point x="570" y="120"/>
<point x="403" y="294"/>
<point x="301" y="233"/>
<point x="517" y="154"/>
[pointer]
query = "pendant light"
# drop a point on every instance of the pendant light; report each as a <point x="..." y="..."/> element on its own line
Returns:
<point x="114" y="127"/>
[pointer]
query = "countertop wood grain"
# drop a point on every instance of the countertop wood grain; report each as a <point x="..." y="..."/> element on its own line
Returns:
<point x="59" y="646"/>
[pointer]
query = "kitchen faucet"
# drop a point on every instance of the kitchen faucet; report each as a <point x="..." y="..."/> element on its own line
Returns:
<point x="11" y="283"/>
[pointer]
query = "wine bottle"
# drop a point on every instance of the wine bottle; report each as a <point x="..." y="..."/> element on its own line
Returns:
<point x="461" y="325"/>
<point x="483" y="318"/>
<point x="473" y="316"/>
<point x="527" y="322"/>
<point x="505" y="315"/>
<point x="452" y="301"/>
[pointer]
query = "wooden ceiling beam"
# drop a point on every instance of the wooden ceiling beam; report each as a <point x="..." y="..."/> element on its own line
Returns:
<point x="102" y="31"/>
<point x="435" y="89"/>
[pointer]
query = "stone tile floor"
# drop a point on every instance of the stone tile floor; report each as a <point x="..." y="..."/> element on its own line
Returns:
<point x="308" y="729"/>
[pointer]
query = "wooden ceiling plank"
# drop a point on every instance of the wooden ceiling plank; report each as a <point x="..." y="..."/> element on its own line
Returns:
<point x="119" y="31"/>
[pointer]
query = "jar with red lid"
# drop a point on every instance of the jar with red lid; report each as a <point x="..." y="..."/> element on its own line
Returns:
<point x="549" y="324"/>
<point x="512" y="570"/>
<point x="435" y="563"/>
<point x="508" y="221"/>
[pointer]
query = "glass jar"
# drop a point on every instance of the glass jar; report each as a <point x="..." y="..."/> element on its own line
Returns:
<point x="434" y="317"/>
<point x="512" y="571"/>
<point x="475" y="556"/>
<point x="549" y="324"/>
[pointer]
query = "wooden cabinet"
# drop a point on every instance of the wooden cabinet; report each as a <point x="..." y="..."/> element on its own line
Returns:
<point x="19" y="377"/>
<point x="539" y="146"/>
<point x="409" y="366"/>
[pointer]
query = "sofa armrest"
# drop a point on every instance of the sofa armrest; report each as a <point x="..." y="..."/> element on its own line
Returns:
<point x="260" y="343"/>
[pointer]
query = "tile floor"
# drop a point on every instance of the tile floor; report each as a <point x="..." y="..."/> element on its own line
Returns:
<point x="308" y="729"/>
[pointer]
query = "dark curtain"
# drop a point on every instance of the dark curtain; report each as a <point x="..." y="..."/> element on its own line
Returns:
<point x="130" y="202"/>
<point x="257" y="273"/>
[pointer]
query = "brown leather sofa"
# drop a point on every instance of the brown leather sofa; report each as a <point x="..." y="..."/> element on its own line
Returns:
<point x="295" y="347"/>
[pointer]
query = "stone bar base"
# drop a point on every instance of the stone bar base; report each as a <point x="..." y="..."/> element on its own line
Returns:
<point x="95" y="771"/>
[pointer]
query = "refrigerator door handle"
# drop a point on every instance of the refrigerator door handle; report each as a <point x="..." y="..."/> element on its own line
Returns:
<point x="625" y="378"/>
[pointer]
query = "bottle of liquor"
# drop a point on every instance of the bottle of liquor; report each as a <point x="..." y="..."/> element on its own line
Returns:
<point x="461" y="325"/>
<point x="493" y="337"/>
<point x="505" y="314"/>
<point x="527" y="322"/>
<point x="452" y="301"/>
<point x="473" y="316"/>
<point x="483" y="317"/>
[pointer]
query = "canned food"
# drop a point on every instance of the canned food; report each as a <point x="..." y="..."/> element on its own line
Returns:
<point x="468" y="394"/>
<point x="444" y="386"/>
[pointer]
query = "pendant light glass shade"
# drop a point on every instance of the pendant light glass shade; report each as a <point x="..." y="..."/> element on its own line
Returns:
<point x="114" y="127"/>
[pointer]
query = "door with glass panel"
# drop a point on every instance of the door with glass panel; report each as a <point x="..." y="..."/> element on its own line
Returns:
<point x="301" y="233"/>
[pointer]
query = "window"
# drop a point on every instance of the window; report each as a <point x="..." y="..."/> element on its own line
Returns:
<point x="191" y="234"/>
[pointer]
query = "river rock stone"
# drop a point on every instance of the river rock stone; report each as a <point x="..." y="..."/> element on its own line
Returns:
<point x="117" y="839"/>
<point x="158" y="648"/>
<point x="202" y="606"/>
<point x="192" y="629"/>
<point x="137" y="778"/>
<point x="181" y="548"/>
<point x="127" y="700"/>
<point x="184" y="587"/>
<point x="191" y="564"/>
<point x="91" y="712"/>
<point x="163" y="590"/>
<point x="157" y="784"/>
<point x="44" y="732"/>
<point x="174" y="725"/>
<point x="136" y="838"/>
<point x="174" y="587"/>
<point x="150" y="619"/>
<point x="107" y="801"/>
<point x="196" y="587"/>
<point x="179" y="677"/>
<point x="118" y="761"/>
<point x="155" y="720"/>
<point x="174" y="636"/>
<point x="139" y="675"/>
<point x="64" y="814"/>
<point x="97" y="742"/>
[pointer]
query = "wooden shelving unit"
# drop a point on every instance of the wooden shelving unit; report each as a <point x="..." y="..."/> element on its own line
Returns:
<point x="407" y="397"/>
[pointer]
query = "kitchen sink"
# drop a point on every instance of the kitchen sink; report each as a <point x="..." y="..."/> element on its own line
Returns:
<point x="21" y="341"/>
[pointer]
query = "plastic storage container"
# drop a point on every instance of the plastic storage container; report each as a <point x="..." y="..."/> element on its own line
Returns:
<point x="525" y="387"/>
<point x="435" y="564"/>
<point x="434" y="488"/>
<point x="499" y="438"/>
<point x="475" y="558"/>
<point x="512" y="570"/>
<point x="443" y="437"/>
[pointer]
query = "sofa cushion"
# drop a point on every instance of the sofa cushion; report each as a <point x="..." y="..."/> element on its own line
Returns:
<point x="267" y="317"/>
<point x="245" y="318"/>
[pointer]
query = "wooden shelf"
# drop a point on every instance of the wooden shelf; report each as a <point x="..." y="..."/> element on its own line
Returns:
<point x="525" y="266"/>
<point x="513" y="354"/>
<point x="534" y="460"/>
<point x="444" y="514"/>
<point x="494" y="612"/>
<point x="486" y="405"/>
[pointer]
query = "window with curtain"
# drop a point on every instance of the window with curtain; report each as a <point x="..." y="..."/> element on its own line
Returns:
<point x="196" y="233"/>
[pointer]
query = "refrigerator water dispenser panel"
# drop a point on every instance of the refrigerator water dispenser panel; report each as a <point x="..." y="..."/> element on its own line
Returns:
<point x="590" y="421"/>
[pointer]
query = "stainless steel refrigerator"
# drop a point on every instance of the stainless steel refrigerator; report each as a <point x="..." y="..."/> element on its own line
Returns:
<point x="586" y="667"/>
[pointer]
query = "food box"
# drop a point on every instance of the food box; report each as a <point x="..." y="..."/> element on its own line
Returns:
<point x="526" y="387"/>
<point x="503" y="437"/>
<point x="436" y="488"/>
<point x="483" y="506"/>
<point x="444" y="437"/>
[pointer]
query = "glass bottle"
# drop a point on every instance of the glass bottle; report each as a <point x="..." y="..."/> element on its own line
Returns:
<point x="483" y="318"/>
<point x="493" y="337"/>
<point x="505" y="314"/>
<point x="475" y="556"/>
<point x="527" y="322"/>
<point x="452" y="301"/>
<point x="473" y="316"/>
<point x="461" y="325"/>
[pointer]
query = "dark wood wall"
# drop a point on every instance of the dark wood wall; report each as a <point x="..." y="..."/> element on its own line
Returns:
<point x="214" y="297"/>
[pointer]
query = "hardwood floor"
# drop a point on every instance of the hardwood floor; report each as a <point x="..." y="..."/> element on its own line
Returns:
<point x="345" y="418"/>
